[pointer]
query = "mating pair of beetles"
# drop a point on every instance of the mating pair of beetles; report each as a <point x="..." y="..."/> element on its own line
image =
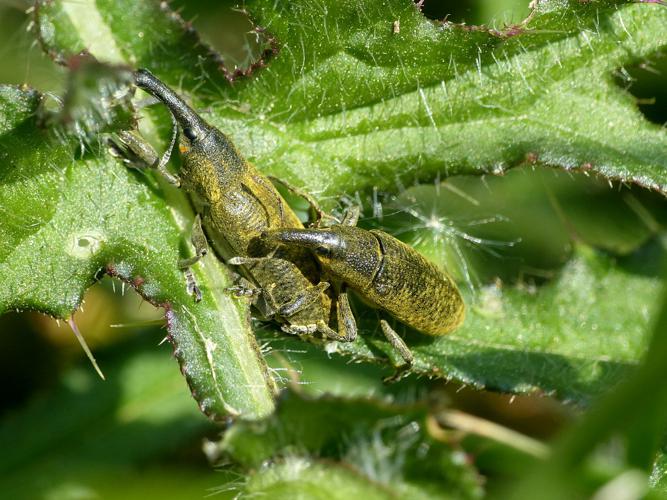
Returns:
<point x="297" y="276"/>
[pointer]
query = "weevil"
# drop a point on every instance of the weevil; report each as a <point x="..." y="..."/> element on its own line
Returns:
<point x="385" y="272"/>
<point x="236" y="204"/>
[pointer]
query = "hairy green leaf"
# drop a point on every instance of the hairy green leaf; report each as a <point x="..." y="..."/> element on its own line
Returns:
<point x="348" y="102"/>
<point x="66" y="218"/>
<point x="632" y="417"/>
<point x="351" y="95"/>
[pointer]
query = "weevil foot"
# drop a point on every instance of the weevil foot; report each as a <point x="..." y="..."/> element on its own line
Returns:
<point x="400" y="373"/>
<point x="239" y="291"/>
<point x="331" y="334"/>
<point x="317" y="215"/>
<point x="397" y="342"/>
<point x="191" y="285"/>
<point x="347" y="325"/>
<point x="351" y="216"/>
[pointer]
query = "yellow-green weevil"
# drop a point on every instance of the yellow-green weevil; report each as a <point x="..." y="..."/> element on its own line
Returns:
<point x="385" y="272"/>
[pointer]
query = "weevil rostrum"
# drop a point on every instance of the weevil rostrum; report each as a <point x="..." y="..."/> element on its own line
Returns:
<point x="295" y="275"/>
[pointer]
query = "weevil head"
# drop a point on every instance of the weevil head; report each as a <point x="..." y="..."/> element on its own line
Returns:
<point x="192" y="125"/>
<point x="200" y="143"/>
<point x="349" y="254"/>
<point x="326" y="244"/>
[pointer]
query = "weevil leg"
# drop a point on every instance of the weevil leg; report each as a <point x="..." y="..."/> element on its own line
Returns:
<point x="302" y="300"/>
<point x="244" y="261"/>
<point x="137" y="152"/>
<point x="351" y="216"/>
<point x="328" y="332"/>
<point x="134" y="149"/>
<point x="315" y="208"/>
<point x="243" y="288"/>
<point x="347" y="325"/>
<point x="198" y="239"/>
<point x="191" y="285"/>
<point x="397" y="342"/>
<point x="263" y="300"/>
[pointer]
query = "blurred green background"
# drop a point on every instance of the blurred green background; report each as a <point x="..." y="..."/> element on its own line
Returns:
<point x="139" y="432"/>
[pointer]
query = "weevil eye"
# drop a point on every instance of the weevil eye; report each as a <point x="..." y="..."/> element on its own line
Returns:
<point x="323" y="251"/>
<point x="190" y="134"/>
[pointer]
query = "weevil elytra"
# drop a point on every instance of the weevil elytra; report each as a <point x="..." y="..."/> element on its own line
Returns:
<point x="384" y="271"/>
<point x="237" y="204"/>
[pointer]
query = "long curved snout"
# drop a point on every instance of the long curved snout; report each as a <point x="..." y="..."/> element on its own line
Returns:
<point x="184" y="114"/>
<point x="312" y="239"/>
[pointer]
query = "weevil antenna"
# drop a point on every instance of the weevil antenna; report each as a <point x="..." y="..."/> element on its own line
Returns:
<point x="84" y="345"/>
<point x="174" y="134"/>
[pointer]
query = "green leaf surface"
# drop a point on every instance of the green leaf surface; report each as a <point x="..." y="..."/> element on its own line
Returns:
<point x="658" y="478"/>
<point x="340" y="102"/>
<point x="326" y="447"/>
<point x="346" y="102"/>
<point x="308" y="479"/>
<point x="66" y="218"/>
<point x="632" y="417"/>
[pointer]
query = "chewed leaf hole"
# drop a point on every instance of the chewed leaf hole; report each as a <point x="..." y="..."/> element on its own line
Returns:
<point x="494" y="14"/>
<point x="647" y="82"/>
<point x="458" y="12"/>
<point x="227" y="30"/>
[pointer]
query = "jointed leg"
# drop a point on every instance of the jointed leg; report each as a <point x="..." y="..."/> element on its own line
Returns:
<point x="347" y="325"/>
<point x="351" y="216"/>
<point x="244" y="261"/>
<point x="397" y="342"/>
<point x="198" y="239"/>
<point x="302" y="300"/>
<point x="314" y="206"/>
<point x="243" y="288"/>
<point x="262" y="297"/>
<point x="137" y="152"/>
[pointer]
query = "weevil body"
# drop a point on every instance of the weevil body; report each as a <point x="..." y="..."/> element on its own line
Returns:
<point x="237" y="204"/>
<point x="384" y="271"/>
